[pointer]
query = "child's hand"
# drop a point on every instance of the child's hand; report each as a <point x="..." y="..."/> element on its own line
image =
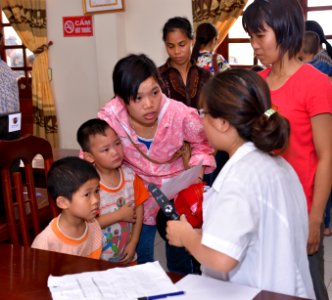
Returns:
<point x="128" y="213"/>
<point x="176" y="230"/>
<point x="129" y="253"/>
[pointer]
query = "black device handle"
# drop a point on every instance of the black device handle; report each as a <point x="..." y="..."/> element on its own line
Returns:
<point x="165" y="204"/>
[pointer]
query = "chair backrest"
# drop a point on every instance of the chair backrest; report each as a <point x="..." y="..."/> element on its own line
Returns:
<point x="24" y="213"/>
<point x="25" y="94"/>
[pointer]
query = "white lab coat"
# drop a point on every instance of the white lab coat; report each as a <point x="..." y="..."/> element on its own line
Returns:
<point x="256" y="213"/>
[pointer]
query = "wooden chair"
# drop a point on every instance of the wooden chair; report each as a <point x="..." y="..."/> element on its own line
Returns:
<point x="23" y="214"/>
<point x="25" y="95"/>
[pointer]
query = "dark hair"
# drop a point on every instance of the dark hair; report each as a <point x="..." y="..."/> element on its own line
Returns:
<point x="205" y="33"/>
<point x="257" y="68"/>
<point x="88" y="129"/>
<point x="314" y="26"/>
<point x="176" y="23"/>
<point x="286" y="19"/>
<point x="67" y="175"/>
<point x="128" y="74"/>
<point x="241" y="97"/>
<point x="310" y="42"/>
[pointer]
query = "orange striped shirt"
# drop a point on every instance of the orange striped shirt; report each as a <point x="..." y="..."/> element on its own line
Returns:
<point x="53" y="239"/>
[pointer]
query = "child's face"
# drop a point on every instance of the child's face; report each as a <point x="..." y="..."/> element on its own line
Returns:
<point x="106" y="150"/>
<point x="85" y="201"/>
<point x="305" y="57"/>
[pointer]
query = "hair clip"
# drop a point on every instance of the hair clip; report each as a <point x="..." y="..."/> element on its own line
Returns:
<point x="268" y="113"/>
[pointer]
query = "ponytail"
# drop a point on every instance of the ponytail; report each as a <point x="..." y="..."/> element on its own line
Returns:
<point x="242" y="98"/>
<point x="270" y="134"/>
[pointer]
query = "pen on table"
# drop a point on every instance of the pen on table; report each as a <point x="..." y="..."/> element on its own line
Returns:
<point x="161" y="296"/>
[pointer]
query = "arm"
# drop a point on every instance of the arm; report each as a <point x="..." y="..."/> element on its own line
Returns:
<point x="223" y="65"/>
<point x="125" y="213"/>
<point x="322" y="128"/>
<point x="141" y="194"/>
<point x="181" y="234"/>
<point x="131" y="246"/>
<point x="201" y="151"/>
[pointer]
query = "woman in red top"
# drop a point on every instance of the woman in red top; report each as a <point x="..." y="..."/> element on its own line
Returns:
<point x="304" y="96"/>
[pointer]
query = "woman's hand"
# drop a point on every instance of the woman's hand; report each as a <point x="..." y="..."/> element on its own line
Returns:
<point x="201" y="175"/>
<point x="314" y="236"/>
<point x="177" y="230"/>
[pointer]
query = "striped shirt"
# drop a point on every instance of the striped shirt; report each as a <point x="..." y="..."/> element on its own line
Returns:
<point x="53" y="239"/>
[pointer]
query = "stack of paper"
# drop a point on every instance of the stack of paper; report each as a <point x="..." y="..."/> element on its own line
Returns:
<point x="119" y="283"/>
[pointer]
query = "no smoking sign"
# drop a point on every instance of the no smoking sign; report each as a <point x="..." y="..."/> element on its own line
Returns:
<point x="77" y="26"/>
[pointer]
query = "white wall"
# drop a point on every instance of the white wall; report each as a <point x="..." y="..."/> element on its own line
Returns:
<point x="82" y="66"/>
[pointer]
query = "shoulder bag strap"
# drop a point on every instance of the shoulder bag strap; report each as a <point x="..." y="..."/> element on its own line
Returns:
<point x="182" y="152"/>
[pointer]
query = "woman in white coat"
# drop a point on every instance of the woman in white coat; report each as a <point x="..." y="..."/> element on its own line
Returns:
<point x="255" y="223"/>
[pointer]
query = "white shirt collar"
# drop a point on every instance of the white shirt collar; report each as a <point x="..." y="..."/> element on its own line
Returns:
<point x="242" y="151"/>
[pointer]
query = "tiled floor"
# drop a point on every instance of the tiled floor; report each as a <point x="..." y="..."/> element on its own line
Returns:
<point x="328" y="264"/>
<point x="160" y="255"/>
<point x="159" y="251"/>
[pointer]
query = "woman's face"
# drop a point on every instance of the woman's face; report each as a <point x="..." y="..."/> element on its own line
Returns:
<point x="145" y="109"/>
<point x="211" y="128"/>
<point x="178" y="47"/>
<point x="265" y="46"/>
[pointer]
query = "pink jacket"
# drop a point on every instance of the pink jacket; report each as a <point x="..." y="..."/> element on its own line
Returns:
<point x="176" y="123"/>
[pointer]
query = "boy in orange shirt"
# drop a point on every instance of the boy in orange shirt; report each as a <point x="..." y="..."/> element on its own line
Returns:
<point x="122" y="192"/>
<point x="74" y="184"/>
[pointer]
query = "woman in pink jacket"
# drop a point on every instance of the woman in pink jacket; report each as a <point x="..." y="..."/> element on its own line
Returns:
<point x="152" y="129"/>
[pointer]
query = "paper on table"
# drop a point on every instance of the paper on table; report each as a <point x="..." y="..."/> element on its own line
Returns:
<point x="118" y="283"/>
<point x="171" y="187"/>
<point x="201" y="287"/>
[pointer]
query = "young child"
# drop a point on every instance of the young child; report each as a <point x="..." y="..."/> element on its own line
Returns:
<point x="120" y="191"/>
<point x="74" y="184"/>
<point x="255" y="223"/>
<point x="203" y="53"/>
<point x="310" y="48"/>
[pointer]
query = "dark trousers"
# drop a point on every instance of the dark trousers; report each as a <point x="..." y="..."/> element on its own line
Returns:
<point x="327" y="218"/>
<point x="145" y="246"/>
<point x="178" y="258"/>
<point x="316" y="264"/>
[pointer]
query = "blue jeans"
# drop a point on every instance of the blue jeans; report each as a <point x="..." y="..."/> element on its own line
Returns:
<point x="145" y="246"/>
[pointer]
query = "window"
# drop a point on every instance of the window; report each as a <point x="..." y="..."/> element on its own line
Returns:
<point x="236" y="46"/>
<point x="17" y="56"/>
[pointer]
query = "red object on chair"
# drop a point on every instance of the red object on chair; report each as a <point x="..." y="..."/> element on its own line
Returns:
<point x="189" y="202"/>
<point x="23" y="214"/>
